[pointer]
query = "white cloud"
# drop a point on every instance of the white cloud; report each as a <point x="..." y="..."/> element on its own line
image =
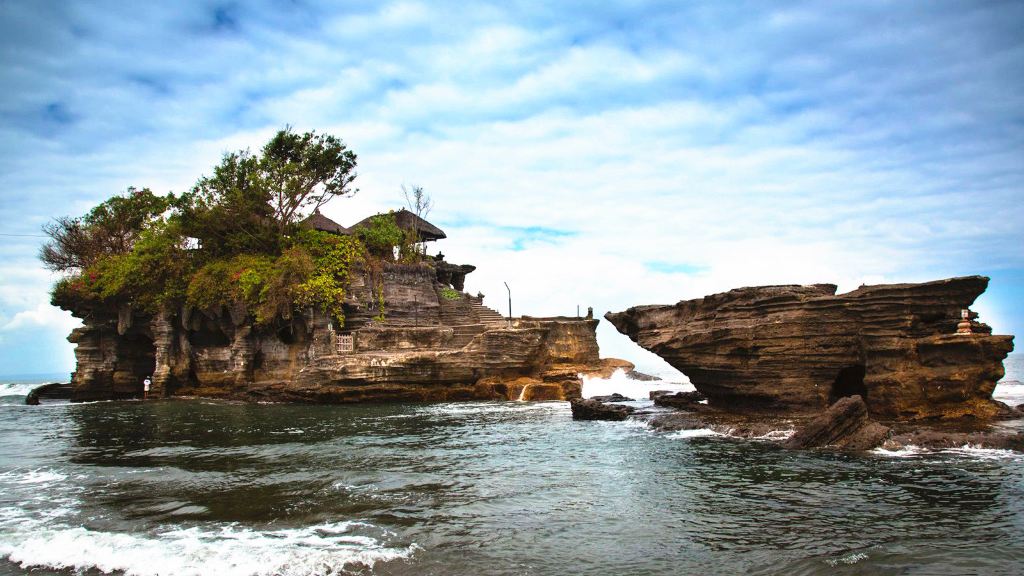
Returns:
<point x="43" y="316"/>
<point x="746" y="146"/>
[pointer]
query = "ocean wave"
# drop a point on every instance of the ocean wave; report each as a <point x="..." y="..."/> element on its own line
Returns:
<point x="15" y="389"/>
<point x="965" y="451"/>
<point x="1009" y="391"/>
<point x="36" y="476"/>
<point x="620" y="383"/>
<point x="475" y="408"/>
<point x="228" y="550"/>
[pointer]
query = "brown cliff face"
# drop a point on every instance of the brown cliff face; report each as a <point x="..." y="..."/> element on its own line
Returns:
<point x="432" y="345"/>
<point x="800" y="348"/>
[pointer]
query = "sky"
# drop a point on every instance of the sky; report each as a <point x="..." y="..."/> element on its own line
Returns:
<point x="602" y="154"/>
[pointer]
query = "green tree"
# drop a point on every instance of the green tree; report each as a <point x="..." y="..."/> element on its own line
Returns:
<point x="251" y="202"/>
<point x="381" y="235"/>
<point x="109" y="229"/>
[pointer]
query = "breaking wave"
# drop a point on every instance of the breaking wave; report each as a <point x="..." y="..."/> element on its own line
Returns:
<point x="620" y="383"/>
<point x="16" y="389"/>
<point x="231" y="550"/>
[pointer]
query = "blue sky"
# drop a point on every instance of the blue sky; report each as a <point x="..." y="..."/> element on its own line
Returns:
<point x="594" y="154"/>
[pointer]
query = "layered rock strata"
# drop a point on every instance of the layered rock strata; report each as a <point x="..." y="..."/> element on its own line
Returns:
<point x="801" y="348"/>
<point x="844" y="425"/>
<point x="432" y="344"/>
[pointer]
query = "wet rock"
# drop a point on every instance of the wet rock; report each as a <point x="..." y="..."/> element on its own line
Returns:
<point x="52" y="391"/>
<point x="798" y="349"/>
<point x="684" y="400"/>
<point x="940" y="439"/>
<point x="640" y="376"/>
<point x="583" y="409"/>
<point x="844" y="425"/>
<point x="616" y="397"/>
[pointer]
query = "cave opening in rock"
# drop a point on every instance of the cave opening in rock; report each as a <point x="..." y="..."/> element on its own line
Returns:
<point x="849" y="382"/>
<point x="136" y="362"/>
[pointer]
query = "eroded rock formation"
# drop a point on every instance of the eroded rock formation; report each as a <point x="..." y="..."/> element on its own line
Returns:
<point x="591" y="409"/>
<point x="801" y="348"/>
<point x="433" y="343"/>
<point x="844" y="425"/>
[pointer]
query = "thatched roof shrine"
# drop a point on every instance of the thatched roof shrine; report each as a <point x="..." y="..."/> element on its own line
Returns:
<point x="318" y="221"/>
<point x="408" y="221"/>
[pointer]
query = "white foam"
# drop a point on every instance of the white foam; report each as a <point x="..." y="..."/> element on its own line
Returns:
<point x="695" y="433"/>
<point x="230" y="550"/>
<point x="474" y="408"/>
<point x="620" y="383"/>
<point x="967" y="450"/>
<point x="37" y="476"/>
<point x="901" y="452"/>
<point x="1010" y="392"/>
<point x="8" y="389"/>
<point x="849" y="559"/>
<point x="985" y="453"/>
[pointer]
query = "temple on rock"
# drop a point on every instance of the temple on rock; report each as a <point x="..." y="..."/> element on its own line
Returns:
<point x="409" y="333"/>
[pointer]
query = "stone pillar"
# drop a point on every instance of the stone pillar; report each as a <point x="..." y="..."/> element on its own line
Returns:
<point x="242" y="353"/>
<point x="163" y="342"/>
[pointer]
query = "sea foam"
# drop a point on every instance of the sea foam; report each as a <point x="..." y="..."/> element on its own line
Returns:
<point x="230" y="550"/>
<point x="620" y="383"/>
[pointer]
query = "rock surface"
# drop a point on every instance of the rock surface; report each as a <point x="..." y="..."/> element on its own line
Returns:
<point x="801" y="348"/>
<point x="614" y="397"/>
<point x="690" y="400"/>
<point x="844" y="425"/>
<point x="430" y="346"/>
<point x="52" y="391"/>
<point x="589" y="409"/>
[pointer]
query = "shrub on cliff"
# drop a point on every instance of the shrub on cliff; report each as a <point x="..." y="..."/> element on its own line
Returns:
<point x="136" y="248"/>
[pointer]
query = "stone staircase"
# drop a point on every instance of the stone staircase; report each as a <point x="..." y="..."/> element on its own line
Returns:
<point x="465" y="333"/>
<point x="455" y="312"/>
<point x="486" y="315"/>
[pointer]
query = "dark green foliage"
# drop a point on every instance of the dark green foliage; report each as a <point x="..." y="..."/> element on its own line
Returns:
<point x="450" y="293"/>
<point x="134" y="248"/>
<point x="251" y="202"/>
<point x="382" y="235"/>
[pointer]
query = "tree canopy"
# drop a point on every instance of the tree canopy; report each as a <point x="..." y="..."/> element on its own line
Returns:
<point x="136" y="247"/>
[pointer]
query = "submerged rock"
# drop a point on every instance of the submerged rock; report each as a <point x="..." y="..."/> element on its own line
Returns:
<point x="584" y="409"/>
<point x="800" y="348"/>
<point x="615" y="397"/>
<point x="52" y="391"/>
<point x="844" y="425"/>
<point x="690" y="400"/>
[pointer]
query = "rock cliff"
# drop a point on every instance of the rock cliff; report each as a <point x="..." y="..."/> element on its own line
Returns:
<point x="432" y="343"/>
<point x="801" y="348"/>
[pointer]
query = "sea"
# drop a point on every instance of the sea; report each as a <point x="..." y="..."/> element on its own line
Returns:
<point x="189" y="487"/>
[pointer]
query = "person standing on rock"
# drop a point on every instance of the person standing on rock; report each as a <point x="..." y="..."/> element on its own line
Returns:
<point x="145" y="387"/>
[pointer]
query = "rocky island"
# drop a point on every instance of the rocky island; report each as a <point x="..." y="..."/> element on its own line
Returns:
<point x="909" y="355"/>
<point x="226" y="292"/>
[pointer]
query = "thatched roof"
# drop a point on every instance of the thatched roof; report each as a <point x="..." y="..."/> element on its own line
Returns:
<point x="408" y="221"/>
<point x="318" y="221"/>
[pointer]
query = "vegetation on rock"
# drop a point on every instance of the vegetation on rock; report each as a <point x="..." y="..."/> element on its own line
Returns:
<point x="233" y="239"/>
